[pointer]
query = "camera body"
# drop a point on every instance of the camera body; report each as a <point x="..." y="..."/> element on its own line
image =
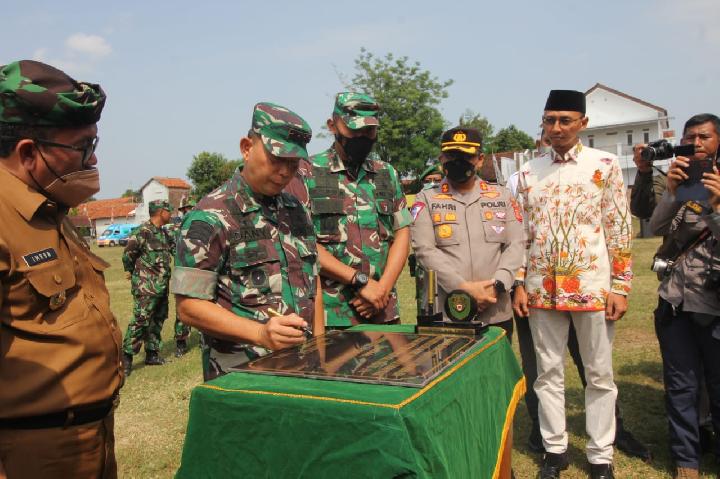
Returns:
<point x="662" y="266"/>
<point x="663" y="149"/>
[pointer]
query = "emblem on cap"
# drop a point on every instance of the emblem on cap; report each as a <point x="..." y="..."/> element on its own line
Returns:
<point x="459" y="136"/>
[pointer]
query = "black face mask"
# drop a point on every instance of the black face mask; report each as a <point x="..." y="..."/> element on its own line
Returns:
<point x="356" y="149"/>
<point x="459" y="171"/>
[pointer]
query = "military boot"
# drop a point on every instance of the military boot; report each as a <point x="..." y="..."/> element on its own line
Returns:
<point x="686" y="473"/>
<point x="552" y="465"/>
<point x="127" y="360"/>
<point x="152" y="358"/>
<point x="181" y="348"/>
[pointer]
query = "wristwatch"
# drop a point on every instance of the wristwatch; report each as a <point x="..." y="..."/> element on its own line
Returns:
<point x="518" y="282"/>
<point x="499" y="287"/>
<point x="359" y="280"/>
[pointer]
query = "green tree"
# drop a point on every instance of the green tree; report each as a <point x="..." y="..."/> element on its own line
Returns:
<point x="130" y="193"/>
<point x="470" y="119"/>
<point x="513" y="139"/>
<point x="208" y="170"/>
<point x="410" y="122"/>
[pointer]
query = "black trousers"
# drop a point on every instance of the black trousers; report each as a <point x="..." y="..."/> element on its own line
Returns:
<point x="689" y="351"/>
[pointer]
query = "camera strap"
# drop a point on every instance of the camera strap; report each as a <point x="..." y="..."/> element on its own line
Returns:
<point x="704" y="234"/>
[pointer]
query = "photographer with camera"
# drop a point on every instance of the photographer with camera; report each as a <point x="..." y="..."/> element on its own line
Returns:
<point x="687" y="319"/>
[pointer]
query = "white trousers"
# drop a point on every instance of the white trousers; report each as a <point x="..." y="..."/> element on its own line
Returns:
<point x="595" y="335"/>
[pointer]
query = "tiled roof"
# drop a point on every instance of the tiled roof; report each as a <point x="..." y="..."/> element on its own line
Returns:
<point x="172" y="182"/>
<point x="113" y="208"/>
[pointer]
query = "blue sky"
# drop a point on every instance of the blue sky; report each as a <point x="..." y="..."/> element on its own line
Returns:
<point x="182" y="77"/>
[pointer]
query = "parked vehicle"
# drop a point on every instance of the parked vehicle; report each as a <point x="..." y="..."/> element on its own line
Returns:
<point x="115" y="234"/>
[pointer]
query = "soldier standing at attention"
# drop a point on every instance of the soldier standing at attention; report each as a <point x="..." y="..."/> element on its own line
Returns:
<point x="60" y="368"/>
<point x="468" y="231"/>
<point x="360" y="217"/>
<point x="147" y="260"/>
<point x="247" y="251"/>
<point x="182" y="331"/>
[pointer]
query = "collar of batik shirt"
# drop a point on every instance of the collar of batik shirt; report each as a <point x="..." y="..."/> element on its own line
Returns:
<point x="571" y="155"/>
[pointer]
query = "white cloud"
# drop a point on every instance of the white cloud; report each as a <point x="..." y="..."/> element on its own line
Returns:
<point x="93" y="45"/>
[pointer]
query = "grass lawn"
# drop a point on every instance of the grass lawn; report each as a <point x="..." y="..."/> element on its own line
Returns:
<point x="151" y="419"/>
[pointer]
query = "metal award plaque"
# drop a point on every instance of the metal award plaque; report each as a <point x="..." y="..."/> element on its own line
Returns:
<point x="373" y="357"/>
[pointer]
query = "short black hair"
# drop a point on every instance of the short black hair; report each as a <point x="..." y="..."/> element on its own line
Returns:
<point x="12" y="133"/>
<point x="703" y="118"/>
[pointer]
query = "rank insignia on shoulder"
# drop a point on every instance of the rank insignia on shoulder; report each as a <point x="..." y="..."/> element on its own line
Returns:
<point x="490" y="194"/>
<point x="437" y="218"/>
<point x="445" y="188"/>
<point x="57" y="301"/>
<point x="445" y="231"/>
<point x="450" y="217"/>
<point x="696" y="207"/>
<point x="39" y="257"/>
<point x="416" y="208"/>
<point x="484" y="186"/>
<point x="442" y="196"/>
<point x="488" y="215"/>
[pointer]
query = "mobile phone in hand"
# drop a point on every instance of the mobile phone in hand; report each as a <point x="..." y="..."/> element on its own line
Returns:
<point x="692" y="188"/>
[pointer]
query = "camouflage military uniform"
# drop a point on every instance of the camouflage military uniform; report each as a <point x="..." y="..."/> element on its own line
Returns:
<point x="148" y="256"/>
<point x="249" y="254"/>
<point x="355" y="220"/>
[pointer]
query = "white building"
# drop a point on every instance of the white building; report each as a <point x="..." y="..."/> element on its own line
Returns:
<point x="161" y="188"/>
<point x="617" y="121"/>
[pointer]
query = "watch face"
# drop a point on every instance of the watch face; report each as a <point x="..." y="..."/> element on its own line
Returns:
<point x="361" y="278"/>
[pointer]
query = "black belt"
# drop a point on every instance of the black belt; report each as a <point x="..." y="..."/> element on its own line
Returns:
<point x="70" y="417"/>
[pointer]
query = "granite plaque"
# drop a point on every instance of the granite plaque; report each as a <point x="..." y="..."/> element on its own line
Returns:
<point x="374" y="357"/>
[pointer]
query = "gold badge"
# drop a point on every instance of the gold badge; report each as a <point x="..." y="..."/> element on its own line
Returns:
<point x="436" y="218"/>
<point x="445" y="231"/>
<point x="488" y="215"/>
<point x="490" y="194"/>
<point x="696" y="207"/>
<point x="57" y="301"/>
<point x="459" y="136"/>
<point x="442" y="196"/>
<point x="450" y="217"/>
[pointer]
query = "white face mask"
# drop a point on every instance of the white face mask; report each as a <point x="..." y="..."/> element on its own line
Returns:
<point x="430" y="185"/>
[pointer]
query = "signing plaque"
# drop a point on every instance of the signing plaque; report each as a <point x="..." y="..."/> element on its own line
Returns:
<point x="375" y="357"/>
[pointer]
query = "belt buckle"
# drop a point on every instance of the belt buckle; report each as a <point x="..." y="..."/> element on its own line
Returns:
<point x="69" y="418"/>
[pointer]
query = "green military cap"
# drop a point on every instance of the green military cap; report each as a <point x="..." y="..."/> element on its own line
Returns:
<point x="36" y="94"/>
<point x="156" y="205"/>
<point x="431" y="170"/>
<point x="357" y="110"/>
<point x="284" y="133"/>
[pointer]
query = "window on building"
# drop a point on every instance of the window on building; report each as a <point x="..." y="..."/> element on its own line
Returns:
<point x="629" y="138"/>
<point x="591" y="141"/>
<point x="646" y="137"/>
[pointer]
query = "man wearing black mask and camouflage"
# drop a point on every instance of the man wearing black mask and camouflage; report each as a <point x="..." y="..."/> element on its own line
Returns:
<point x="360" y="217"/>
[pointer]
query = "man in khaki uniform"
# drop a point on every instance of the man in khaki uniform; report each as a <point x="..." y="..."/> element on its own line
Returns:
<point x="468" y="231"/>
<point x="60" y="367"/>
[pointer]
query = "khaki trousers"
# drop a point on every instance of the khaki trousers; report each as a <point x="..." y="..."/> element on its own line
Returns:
<point x="78" y="452"/>
<point x="595" y="338"/>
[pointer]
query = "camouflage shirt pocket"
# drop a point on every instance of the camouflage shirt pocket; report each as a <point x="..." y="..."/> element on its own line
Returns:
<point x="255" y="275"/>
<point x="327" y="216"/>
<point x="385" y="218"/>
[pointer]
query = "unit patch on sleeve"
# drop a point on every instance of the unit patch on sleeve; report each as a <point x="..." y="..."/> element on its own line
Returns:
<point x="417" y="207"/>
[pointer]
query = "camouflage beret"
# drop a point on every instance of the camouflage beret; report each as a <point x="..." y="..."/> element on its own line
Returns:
<point x="284" y="133"/>
<point x="157" y="205"/>
<point x="357" y="110"/>
<point x="433" y="169"/>
<point x="33" y="93"/>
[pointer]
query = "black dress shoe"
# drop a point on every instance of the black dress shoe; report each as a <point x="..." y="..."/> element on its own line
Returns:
<point x="601" y="471"/>
<point x="181" y="348"/>
<point x="627" y="443"/>
<point x="152" y="358"/>
<point x="127" y="364"/>
<point x="534" y="442"/>
<point x="707" y="439"/>
<point x="552" y="465"/>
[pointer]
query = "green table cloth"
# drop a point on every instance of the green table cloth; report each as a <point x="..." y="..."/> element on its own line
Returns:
<point x="252" y="425"/>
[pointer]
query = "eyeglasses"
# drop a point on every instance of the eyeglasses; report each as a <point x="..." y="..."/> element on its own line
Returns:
<point x="563" y="120"/>
<point x="87" y="150"/>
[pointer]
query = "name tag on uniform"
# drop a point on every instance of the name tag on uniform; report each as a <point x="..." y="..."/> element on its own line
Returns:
<point x="39" y="257"/>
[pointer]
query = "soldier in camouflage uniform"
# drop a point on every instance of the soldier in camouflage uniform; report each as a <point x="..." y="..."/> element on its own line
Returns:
<point x="147" y="260"/>
<point x="248" y="251"/>
<point x="182" y="330"/>
<point x="360" y="217"/>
